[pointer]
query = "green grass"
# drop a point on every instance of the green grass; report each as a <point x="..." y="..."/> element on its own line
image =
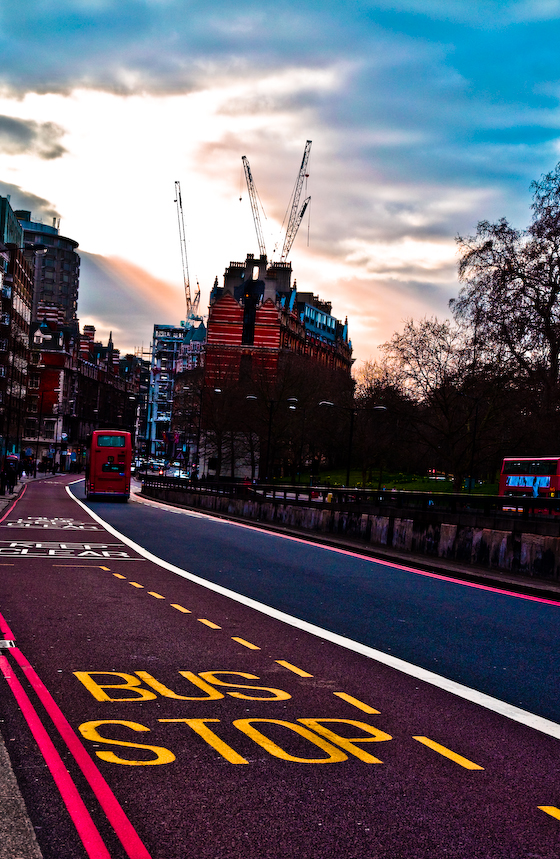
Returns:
<point x="392" y="480"/>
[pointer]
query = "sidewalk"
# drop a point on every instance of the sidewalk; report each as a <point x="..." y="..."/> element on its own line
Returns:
<point x="17" y="836"/>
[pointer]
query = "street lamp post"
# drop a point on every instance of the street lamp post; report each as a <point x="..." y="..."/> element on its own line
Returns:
<point x="353" y="412"/>
<point x="269" y="434"/>
<point x="54" y="391"/>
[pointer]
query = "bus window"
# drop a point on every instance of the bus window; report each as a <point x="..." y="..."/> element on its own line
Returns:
<point x="530" y="477"/>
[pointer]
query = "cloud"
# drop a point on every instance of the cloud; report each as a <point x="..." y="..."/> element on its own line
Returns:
<point x="20" y="199"/>
<point x="117" y="296"/>
<point x="19" y="136"/>
<point x="426" y="116"/>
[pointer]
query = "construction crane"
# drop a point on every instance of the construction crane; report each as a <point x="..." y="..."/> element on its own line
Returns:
<point x="296" y="214"/>
<point x="183" y="243"/>
<point x="195" y="302"/>
<point x="254" y="205"/>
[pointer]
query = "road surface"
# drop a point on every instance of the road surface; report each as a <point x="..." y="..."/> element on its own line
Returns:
<point x="179" y="686"/>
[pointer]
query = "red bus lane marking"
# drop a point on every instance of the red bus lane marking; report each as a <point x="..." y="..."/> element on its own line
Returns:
<point x="126" y="833"/>
<point x="85" y="826"/>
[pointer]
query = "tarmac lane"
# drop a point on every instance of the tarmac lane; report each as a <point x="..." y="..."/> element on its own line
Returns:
<point x="190" y="723"/>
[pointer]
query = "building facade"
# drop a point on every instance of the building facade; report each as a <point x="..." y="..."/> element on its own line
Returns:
<point x="56" y="267"/>
<point x="272" y="353"/>
<point x="16" y="291"/>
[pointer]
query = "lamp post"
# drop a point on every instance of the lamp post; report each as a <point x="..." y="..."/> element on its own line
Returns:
<point x="54" y="391"/>
<point x="353" y="412"/>
<point x="269" y="433"/>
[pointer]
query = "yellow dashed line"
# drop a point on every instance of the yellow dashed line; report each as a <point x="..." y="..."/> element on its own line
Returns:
<point x="180" y="608"/>
<point x="245" y="643"/>
<point x="293" y="668"/>
<point x="552" y="810"/>
<point x="118" y="576"/>
<point x="447" y="753"/>
<point x="209" y="623"/>
<point x="157" y="596"/>
<point x="355" y="703"/>
<point x="135" y="585"/>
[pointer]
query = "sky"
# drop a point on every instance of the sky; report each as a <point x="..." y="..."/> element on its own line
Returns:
<point x="425" y="118"/>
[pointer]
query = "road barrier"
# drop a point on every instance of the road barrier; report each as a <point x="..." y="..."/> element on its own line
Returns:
<point x="519" y="535"/>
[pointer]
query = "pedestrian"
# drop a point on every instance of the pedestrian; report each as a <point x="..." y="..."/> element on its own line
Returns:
<point x="10" y="474"/>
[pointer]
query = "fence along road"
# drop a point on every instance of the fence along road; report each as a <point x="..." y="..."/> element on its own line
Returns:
<point x="188" y="722"/>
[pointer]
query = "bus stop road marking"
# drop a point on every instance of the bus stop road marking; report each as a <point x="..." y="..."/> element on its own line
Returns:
<point x="245" y="643"/>
<point x="293" y="668"/>
<point x="208" y="623"/>
<point x="355" y="702"/>
<point x="447" y="753"/>
<point x="551" y="809"/>
<point x="180" y="608"/>
<point x="157" y="596"/>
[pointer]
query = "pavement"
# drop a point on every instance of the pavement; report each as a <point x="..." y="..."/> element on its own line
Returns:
<point x="17" y="837"/>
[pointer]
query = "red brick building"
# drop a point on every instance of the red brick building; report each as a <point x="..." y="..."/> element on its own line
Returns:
<point x="257" y="317"/>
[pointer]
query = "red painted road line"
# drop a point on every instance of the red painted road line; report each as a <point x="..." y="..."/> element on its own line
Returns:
<point x="5" y="629"/>
<point x="9" y="510"/>
<point x="85" y="826"/>
<point x="124" y="829"/>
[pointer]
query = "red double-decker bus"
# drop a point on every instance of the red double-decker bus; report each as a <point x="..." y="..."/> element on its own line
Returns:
<point x="108" y="464"/>
<point x="530" y="477"/>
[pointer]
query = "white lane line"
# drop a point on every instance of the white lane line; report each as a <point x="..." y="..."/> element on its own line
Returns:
<point x="516" y="714"/>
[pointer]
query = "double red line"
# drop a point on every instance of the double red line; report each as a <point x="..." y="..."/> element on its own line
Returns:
<point x="81" y="817"/>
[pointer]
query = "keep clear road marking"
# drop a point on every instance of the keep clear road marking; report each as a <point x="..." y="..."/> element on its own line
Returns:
<point x="447" y="753"/>
<point x="516" y="714"/>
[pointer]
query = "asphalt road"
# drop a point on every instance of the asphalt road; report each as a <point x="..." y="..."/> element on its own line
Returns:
<point x="207" y="727"/>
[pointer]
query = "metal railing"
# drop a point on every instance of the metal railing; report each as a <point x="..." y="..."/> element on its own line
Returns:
<point x="366" y="500"/>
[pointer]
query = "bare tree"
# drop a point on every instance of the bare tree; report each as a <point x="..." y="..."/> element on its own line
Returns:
<point x="511" y="292"/>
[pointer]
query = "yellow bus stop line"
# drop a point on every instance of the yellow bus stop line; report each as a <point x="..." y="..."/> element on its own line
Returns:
<point x="180" y="608"/>
<point x="293" y="668"/>
<point x="355" y="703"/>
<point x="447" y="753"/>
<point x="209" y="623"/>
<point x="245" y="643"/>
<point x="118" y="576"/>
<point x="157" y="596"/>
<point x="135" y="585"/>
<point x="551" y="809"/>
